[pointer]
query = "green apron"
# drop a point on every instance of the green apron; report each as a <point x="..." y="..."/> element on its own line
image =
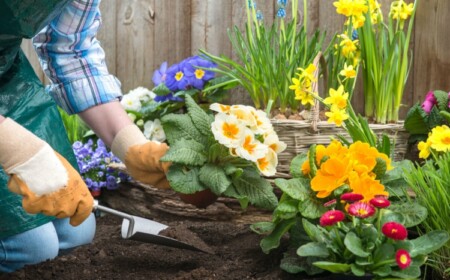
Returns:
<point x="23" y="99"/>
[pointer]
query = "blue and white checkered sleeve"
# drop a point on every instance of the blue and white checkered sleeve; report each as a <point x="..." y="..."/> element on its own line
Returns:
<point x="73" y="59"/>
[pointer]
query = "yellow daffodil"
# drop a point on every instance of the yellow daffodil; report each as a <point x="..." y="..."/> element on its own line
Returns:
<point x="337" y="98"/>
<point x="344" y="7"/>
<point x="349" y="46"/>
<point x="401" y="10"/>
<point x="348" y="72"/>
<point x="228" y="130"/>
<point x="336" y="116"/>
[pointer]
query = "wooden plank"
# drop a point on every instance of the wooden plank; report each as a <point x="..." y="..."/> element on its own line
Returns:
<point x="107" y="35"/>
<point x="135" y="43"/>
<point x="171" y="22"/>
<point x="30" y="53"/>
<point x="432" y="58"/>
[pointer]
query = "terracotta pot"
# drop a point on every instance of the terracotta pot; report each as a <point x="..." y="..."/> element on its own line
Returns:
<point x="201" y="199"/>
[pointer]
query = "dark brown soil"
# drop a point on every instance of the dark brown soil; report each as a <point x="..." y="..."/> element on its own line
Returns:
<point x="238" y="256"/>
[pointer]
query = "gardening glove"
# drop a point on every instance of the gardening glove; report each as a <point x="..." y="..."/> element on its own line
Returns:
<point x="141" y="156"/>
<point x="46" y="181"/>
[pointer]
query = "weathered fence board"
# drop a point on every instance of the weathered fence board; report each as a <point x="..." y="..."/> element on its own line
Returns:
<point x="138" y="35"/>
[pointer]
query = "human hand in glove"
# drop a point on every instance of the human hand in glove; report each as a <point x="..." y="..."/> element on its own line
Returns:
<point x="45" y="180"/>
<point x="141" y="156"/>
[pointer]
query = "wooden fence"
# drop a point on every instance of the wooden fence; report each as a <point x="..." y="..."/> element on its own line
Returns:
<point x="138" y="35"/>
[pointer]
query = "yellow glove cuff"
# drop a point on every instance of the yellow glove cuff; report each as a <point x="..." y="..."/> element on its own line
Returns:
<point x="128" y="136"/>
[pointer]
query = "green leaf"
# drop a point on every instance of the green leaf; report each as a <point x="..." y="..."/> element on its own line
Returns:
<point x="442" y="99"/>
<point x="262" y="227"/>
<point x="354" y="245"/>
<point x="413" y="213"/>
<point x="184" y="181"/>
<point x="232" y="170"/>
<point x="382" y="271"/>
<point x="188" y="152"/>
<point x="312" y="160"/>
<point x="311" y="208"/>
<point x="214" y="177"/>
<point x="293" y="263"/>
<point x="385" y="252"/>
<point x="411" y="272"/>
<point x="313" y="249"/>
<point x="161" y="90"/>
<point x="297" y="188"/>
<point x="435" y="118"/>
<point x="416" y="120"/>
<point x="357" y="270"/>
<point x="390" y="216"/>
<point x="296" y="165"/>
<point x="287" y="206"/>
<point x="258" y="190"/>
<point x="429" y="242"/>
<point x="313" y="231"/>
<point x="333" y="267"/>
<point x="177" y="126"/>
<point x="200" y="118"/>
<point x="272" y="241"/>
<point x="380" y="168"/>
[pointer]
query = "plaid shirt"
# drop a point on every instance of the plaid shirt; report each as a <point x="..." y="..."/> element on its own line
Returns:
<point x="73" y="59"/>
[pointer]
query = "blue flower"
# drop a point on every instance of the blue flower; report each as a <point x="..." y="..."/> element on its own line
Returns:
<point x="176" y="78"/>
<point x="281" y="13"/>
<point x="195" y="75"/>
<point x="282" y="3"/>
<point x="159" y="76"/>
<point x="168" y="97"/>
<point x="259" y="15"/>
<point x="251" y="4"/>
<point x="355" y="35"/>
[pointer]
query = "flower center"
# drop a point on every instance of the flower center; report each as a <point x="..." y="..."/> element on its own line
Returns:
<point x="263" y="163"/>
<point x="403" y="259"/>
<point x="248" y="145"/>
<point x="199" y="73"/>
<point x="179" y="75"/>
<point x="230" y="130"/>
<point x="362" y="212"/>
<point x="446" y="140"/>
<point x="394" y="230"/>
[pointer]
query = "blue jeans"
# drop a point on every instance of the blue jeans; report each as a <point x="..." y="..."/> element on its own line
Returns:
<point x="43" y="243"/>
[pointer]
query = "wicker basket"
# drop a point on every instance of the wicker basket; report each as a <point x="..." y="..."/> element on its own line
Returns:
<point x="299" y="135"/>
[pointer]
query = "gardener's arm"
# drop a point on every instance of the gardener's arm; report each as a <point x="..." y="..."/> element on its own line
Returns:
<point x="73" y="59"/>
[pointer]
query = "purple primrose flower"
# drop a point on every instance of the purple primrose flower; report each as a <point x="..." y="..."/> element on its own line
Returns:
<point x="175" y="77"/>
<point x="197" y="75"/>
<point x="159" y="76"/>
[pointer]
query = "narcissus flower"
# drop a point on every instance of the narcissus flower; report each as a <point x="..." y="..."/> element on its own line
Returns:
<point x="337" y="116"/>
<point x="361" y="210"/>
<point x="380" y="202"/>
<point x="402" y="258"/>
<point x="352" y="197"/>
<point x="337" y="98"/>
<point x="394" y="231"/>
<point x="348" y="72"/>
<point x="331" y="217"/>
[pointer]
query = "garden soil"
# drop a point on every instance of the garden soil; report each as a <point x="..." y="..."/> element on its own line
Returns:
<point x="237" y="256"/>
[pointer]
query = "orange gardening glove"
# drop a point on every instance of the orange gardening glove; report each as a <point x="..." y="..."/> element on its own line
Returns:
<point x="46" y="181"/>
<point x="141" y="156"/>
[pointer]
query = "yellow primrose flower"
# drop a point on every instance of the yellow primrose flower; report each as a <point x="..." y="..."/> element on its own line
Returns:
<point x="401" y="10"/>
<point x="332" y="174"/>
<point x="440" y="138"/>
<point x="425" y="149"/>
<point x="228" y="130"/>
<point x="336" y="116"/>
<point x="366" y="185"/>
<point x="267" y="164"/>
<point x="338" y="98"/>
<point x="348" y="72"/>
<point x="250" y="148"/>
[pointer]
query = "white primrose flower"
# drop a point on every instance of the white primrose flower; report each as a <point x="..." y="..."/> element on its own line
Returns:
<point x="267" y="164"/>
<point x="154" y="131"/>
<point x="227" y="130"/>
<point x="220" y="108"/>
<point x="244" y="114"/>
<point x="272" y="141"/>
<point x="263" y="124"/>
<point x="142" y="93"/>
<point x="250" y="148"/>
<point x="131" y="103"/>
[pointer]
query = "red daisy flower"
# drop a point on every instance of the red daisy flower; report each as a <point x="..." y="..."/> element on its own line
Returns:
<point x="403" y="258"/>
<point x="394" y="230"/>
<point x="361" y="210"/>
<point x="331" y="217"/>
<point x="330" y="203"/>
<point x="380" y="202"/>
<point x="352" y="197"/>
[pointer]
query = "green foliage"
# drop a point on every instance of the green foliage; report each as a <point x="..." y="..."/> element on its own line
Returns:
<point x="199" y="162"/>
<point x="74" y="126"/>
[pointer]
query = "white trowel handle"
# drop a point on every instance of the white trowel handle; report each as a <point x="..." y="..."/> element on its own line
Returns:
<point x="116" y="213"/>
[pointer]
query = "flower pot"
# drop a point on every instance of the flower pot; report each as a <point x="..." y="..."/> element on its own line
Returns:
<point x="95" y="193"/>
<point x="201" y="199"/>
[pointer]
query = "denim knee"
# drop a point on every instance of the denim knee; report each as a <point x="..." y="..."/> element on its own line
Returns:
<point x="71" y="237"/>
<point x="30" y="247"/>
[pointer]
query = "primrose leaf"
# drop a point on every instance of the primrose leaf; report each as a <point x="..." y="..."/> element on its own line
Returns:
<point x="272" y="240"/>
<point x="442" y="99"/>
<point x="297" y="188"/>
<point x="184" y="181"/>
<point x="188" y="152"/>
<point x="215" y="178"/>
<point x="296" y="165"/>
<point x="416" y="120"/>
<point x="177" y="126"/>
<point x="200" y="118"/>
<point x="380" y="168"/>
<point x="311" y="208"/>
<point x="258" y="190"/>
<point x="161" y="90"/>
<point x="313" y="231"/>
<point x="262" y="227"/>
